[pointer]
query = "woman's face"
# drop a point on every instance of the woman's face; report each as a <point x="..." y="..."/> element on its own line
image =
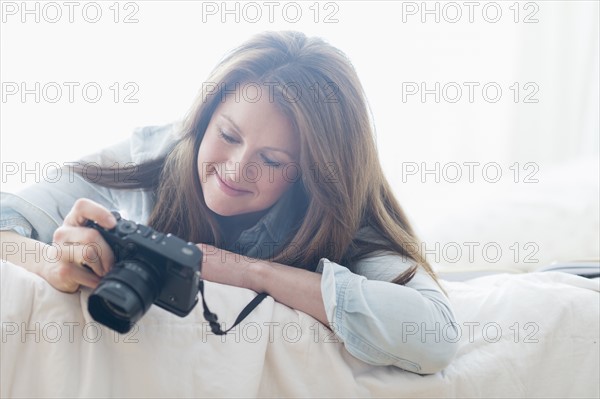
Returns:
<point x="243" y="155"/>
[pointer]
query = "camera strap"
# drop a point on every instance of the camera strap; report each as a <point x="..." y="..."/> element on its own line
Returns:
<point x="213" y="319"/>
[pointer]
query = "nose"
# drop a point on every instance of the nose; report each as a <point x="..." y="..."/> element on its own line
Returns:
<point x="240" y="168"/>
<point x="231" y="172"/>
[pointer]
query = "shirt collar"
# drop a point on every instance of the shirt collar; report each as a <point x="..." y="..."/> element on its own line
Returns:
<point x="283" y="217"/>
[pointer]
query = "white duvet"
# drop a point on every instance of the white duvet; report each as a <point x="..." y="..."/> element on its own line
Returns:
<point x="527" y="335"/>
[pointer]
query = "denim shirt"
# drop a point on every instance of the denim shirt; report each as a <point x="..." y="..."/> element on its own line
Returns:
<point x="410" y="326"/>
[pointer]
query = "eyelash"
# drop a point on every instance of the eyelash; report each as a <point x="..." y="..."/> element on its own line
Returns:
<point x="227" y="138"/>
<point x="268" y="162"/>
<point x="231" y="140"/>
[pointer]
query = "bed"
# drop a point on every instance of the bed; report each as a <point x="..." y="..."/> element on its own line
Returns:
<point x="522" y="335"/>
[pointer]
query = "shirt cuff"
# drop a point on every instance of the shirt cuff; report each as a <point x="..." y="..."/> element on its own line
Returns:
<point x="336" y="282"/>
<point x="11" y="220"/>
<point x="359" y="314"/>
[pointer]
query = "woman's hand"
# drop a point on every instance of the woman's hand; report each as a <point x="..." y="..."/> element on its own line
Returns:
<point x="79" y="255"/>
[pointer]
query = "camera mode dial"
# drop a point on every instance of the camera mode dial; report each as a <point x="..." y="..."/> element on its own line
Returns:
<point x="126" y="227"/>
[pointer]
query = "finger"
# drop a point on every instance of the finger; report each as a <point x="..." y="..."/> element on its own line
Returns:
<point x="85" y="246"/>
<point x="84" y="276"/>
<point x="85" y="209"/>
<point x="96" y="252"/>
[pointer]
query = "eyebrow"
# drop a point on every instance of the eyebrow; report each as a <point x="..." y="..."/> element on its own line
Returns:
<point x="236" y="127"/>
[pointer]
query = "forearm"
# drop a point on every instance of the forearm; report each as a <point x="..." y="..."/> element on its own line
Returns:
<point x="297" y="288"/>
<point x="23" y="251"/>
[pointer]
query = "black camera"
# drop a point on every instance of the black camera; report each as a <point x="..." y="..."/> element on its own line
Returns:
<point x="150" y="267"/>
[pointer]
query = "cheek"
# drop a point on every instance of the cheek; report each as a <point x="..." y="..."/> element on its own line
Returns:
<point x="207" y="154"/>
<point x="205" y="150"/>
<point x="273" y="185"/>
<point x="202" y="160"/>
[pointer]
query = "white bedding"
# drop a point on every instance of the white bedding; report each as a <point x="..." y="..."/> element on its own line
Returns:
<point x="533" y="335"/>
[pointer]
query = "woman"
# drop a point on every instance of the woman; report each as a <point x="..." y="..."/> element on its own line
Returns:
<point x="276" y="161"/>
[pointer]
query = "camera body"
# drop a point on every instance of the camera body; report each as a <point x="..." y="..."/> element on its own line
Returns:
<point x="150" y="267"/>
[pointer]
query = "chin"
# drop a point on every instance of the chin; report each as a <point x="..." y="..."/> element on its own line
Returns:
<point x="221" y="210"/>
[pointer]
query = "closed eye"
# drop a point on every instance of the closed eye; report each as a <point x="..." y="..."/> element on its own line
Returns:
<point x="269" y="162"/>
<point x="227" y="137"/>
<point x="231" y="140"/>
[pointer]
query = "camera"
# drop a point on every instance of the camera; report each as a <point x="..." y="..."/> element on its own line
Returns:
<point x="150" y="267"/>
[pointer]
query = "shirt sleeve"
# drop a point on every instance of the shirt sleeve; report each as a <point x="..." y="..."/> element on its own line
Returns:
<point x="382" y="323"/>
<point x="10" y="220"/>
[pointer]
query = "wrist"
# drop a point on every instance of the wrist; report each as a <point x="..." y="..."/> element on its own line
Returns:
<point x="256" y="277"/>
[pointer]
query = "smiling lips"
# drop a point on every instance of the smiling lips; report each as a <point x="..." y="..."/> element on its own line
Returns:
<point x="227" y="189"/>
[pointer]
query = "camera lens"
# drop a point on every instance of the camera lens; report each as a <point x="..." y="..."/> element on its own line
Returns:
<point x="125" y="294"/>
<point x="116" y="309"/>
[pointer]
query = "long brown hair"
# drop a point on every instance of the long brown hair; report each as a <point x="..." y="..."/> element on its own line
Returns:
<point x="342" y="183"/>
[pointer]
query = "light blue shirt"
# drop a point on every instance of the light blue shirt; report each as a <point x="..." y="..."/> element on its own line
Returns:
<point x="411" y="326"/>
